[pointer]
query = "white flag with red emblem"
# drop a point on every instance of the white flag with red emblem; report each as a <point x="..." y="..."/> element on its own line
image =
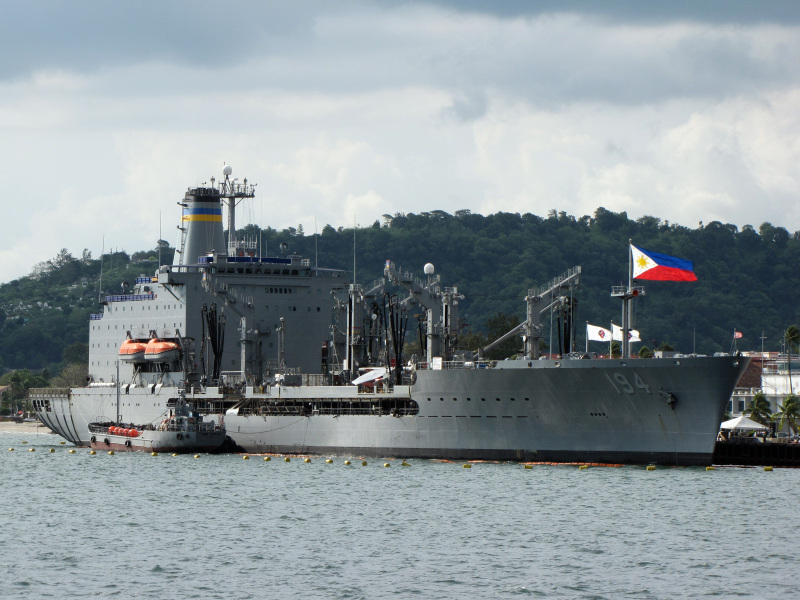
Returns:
<point x="633" y="334"/>
<point x="597" y="334"/>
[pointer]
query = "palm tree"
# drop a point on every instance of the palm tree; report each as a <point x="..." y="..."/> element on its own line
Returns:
<point x="789" y="412"/>
<point x="792" y="339"/>
<point x="760" y="410"/>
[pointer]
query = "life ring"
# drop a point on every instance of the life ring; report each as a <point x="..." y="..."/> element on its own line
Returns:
<point x="128" y="443"/>
<point x="180" y="436"/>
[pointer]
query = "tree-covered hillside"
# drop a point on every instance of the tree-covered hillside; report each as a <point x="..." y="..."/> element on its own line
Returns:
<point x="746" y="278"/>
<point x="44" y="317"/>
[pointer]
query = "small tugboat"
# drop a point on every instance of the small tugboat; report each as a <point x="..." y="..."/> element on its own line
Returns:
<point x="183" y="431"/>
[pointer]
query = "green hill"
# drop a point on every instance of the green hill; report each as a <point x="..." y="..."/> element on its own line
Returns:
<point x="746" y="278"/>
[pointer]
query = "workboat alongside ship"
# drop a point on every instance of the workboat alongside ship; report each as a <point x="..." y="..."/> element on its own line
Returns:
<point x="297" y="359"/>
<point x="183" y="430"/>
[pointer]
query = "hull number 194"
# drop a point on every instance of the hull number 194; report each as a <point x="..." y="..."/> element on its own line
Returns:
<point x="621" y="384"/>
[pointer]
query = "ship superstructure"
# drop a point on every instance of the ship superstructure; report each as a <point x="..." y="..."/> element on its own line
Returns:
<point x="298" y="359"/>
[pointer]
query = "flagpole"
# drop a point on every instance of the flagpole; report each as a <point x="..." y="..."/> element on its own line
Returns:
<point x="626" y="305"/>
<point x="587" y="337"/>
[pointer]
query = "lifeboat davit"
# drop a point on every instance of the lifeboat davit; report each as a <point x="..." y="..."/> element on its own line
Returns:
<point x="132" y="351"/>
<point x="161" y="351"/>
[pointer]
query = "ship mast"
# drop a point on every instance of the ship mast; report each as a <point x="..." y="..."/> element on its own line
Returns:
<point x="230" y="192"/>
<point x="627" y="294"/>
<point x="117" y="421"/>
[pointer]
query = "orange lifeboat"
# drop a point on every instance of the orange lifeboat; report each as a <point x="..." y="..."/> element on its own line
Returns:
<point x="132" y="351"/>
<point x="161" y="351"/>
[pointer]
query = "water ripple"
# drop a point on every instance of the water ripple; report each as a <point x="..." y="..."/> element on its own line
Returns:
<point x="77" y="526"/>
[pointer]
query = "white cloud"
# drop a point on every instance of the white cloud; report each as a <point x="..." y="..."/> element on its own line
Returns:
<point x="341" y="109"/>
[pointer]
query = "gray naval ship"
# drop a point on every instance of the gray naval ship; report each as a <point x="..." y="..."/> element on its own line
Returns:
<point x="296" y="359"/>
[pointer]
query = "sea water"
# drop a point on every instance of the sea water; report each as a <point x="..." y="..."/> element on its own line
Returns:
<point x="134" y="525"/>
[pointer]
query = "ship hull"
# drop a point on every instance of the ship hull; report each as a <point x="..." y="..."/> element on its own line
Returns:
<point x="159" y="441"/>
<point x="661" y="411"/>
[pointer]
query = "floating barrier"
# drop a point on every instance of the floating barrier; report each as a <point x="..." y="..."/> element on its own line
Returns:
<point x="245" y="457"/>
<point x="347" y="462"/>
<point x="92" y="452"/>
<point x="651" y="467"/>
<point x="467" y="466"/>
<point x="267" y="459"/>
<point x="154" y="454"/>
<point x="110" y="452"/>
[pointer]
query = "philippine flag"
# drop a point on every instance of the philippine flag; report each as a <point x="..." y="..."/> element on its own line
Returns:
<point x="660" y="267"/>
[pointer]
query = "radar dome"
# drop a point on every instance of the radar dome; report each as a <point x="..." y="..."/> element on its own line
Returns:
<point x="428" y="269"/>
<point x="227" y="170"/>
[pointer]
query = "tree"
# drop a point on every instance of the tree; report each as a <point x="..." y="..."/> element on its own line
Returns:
<point x="73" y="375"/>
<point x="792" y="339"/>
<point x="759" y="410"/>
<point x="63" y="258"/>
<point x="645" y="352"/>
<point x="19" y="382"/>
<point x="789" y="412"/>
<point x="499" y="325"/>
<point x="76" y="353"/>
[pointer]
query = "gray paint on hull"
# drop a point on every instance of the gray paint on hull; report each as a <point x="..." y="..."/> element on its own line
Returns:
<point x="581" y="410"/>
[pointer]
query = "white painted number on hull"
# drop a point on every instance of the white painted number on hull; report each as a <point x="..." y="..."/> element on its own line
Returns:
<point x="621" y="384"/>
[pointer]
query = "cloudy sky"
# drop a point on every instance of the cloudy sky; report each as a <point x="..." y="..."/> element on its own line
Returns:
<point x="342" y="110"/>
